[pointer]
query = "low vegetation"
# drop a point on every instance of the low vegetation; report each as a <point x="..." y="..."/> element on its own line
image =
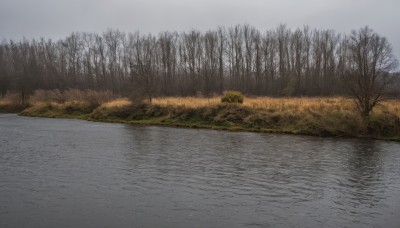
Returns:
<point x="232" y="97"/>
<point x="12" y="103"/>
<point x="336" y="116"/>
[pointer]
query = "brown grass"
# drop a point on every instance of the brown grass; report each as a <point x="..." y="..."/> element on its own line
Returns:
<point x="95" y="98"/>
<point x="12" y="103"/>
<point x="334" y="116"/>
<point x="11" y="98"/>
<point x="276" y="105"/>
<point x="389" y="106"/>
<point x="303" y="104"/>
<point x="188" y="102"/>
<point x="118" y="103"/>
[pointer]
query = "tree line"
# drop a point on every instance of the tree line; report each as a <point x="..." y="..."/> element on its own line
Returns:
<point x="277" y="62"/>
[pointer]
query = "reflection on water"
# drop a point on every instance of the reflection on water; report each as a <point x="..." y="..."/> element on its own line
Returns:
<point x="365" y="172"/>
<point x="69" y="173"/>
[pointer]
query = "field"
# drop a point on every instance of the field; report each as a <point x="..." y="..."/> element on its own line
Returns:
<point x="332" y="116"/>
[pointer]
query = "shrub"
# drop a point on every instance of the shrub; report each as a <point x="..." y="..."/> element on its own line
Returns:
<point x="13" y="98"/>
<point x="232" y="97"/>
<point x="92" y="97"/>
<point x="41" y="96"/>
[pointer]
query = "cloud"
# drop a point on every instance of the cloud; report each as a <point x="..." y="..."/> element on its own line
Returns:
<point x="57" y="18"/>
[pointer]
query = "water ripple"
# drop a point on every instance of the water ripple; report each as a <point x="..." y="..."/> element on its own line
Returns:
<point x="69" y="173"/>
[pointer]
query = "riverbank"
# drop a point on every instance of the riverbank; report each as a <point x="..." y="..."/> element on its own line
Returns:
<point x="6" y="107"/>
<point x="333" y="117"/>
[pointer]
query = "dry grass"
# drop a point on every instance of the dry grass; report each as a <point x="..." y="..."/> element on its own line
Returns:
<point x="10" y="98"/>
<point x="3" y="102"/>
<point x="118" y="103"/>
<point x="335" y="116"/>
<point x="41" y="96"/>
<point x="299" y="104"/>
<point x="303" y="104"/>
<point x="263" y="103"/>
<point x="296" y="106"/>
<point x="92" y="97"/>
<point x="269" y="104"/>
<point x="188" y="102"/>
<point x="12" y="103"/>
<point x="389" y="106"/>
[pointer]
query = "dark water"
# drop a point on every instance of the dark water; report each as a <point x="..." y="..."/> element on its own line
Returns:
<point x="71" y="173"/>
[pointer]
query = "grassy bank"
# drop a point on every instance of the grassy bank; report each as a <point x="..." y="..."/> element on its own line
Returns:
<point x="309" y="116"/>
<point x="12" y="108"/>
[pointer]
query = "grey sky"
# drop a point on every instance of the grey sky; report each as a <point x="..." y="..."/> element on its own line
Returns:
<point x="58" y="18"/>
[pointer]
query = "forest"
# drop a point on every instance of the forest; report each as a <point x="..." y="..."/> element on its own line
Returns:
<point x="277" y="62"/>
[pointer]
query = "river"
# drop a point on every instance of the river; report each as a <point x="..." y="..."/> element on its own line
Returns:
<point x="74" y="173"/>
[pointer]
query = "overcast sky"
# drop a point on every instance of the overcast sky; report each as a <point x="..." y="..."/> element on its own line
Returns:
<point x="58" y="18"/>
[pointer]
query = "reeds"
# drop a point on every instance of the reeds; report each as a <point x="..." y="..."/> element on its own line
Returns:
<point x="302" y="104"/>
<point x="12" y="102"/>
<point x="323" y="116"/>
<point x="92" y="97"/>
<point x="117" y="103"/>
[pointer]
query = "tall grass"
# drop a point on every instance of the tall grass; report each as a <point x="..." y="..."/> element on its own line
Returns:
<point x="12" y="102"/>
<point x="91" y="97"/>
<point x="11" y="98"/>
<point x="333" y="116"/>
<point x="72" y="100"/>
<point x="300" y="104"/>
<point x="117" y="103"/>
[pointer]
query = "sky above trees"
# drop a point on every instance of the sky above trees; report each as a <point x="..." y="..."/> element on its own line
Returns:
<point x="57" y="18"/>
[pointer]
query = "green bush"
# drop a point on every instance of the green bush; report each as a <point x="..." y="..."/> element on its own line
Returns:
<point x="232" y="97"/>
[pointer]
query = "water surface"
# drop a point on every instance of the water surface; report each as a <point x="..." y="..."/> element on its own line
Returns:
<point x="73" y="173"/>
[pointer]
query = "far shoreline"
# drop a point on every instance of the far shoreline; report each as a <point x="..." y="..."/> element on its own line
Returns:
<point x="322" y="117"/>
<point x="215" y="128"/>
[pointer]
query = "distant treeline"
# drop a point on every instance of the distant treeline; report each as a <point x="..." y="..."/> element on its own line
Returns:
<point x="275" y="62"/>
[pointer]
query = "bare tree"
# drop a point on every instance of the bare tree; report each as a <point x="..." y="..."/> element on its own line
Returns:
<point x="167" y="45"/>
<point x="283" y="35"/>
<point x="210" y="62"/>
<point x="235" y="54"/>
<point x="277" y="62"/>
<point x="143" y="66"/>
<point x="221" y="54"/>
<point x="4" y="80"/>
<point x="370" y="61"/>
<point x="270" y="62"/>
